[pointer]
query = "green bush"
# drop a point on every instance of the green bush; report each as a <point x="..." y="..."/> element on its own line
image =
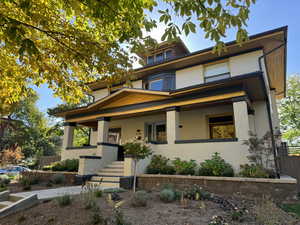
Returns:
<point x="216" y="166"/>
<point x="196" y="192"/>
<point x="160" y="165"/>
<point x="70" y="165"/>
<point x="167" y="195"/>
<point x="254" y="171"/>
<point x="63" y="200"/>
<point x="4" y="180"/>
<point x="98" y="193"/>
<point x="139" y="199"/>
<point x="58" y="179"/>
<point x="184" y="167"/>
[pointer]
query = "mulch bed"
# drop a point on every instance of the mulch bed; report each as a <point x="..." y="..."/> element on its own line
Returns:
<point x="155" y="213"/>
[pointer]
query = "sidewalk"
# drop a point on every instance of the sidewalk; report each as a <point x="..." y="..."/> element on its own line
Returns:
<point x="52" y="193"/>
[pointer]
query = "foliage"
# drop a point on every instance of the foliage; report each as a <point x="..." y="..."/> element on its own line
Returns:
<point x="58" y="179"/>
<point x="160" y="165"/>
<point x="4" y="180"/>
<point x="11" y="155"/>
<point x="292" y="208"/>
<point x="66" y="44"/>
<point x="26" y="181"/>
<point x="114" y="190"/>
<point x="138" y="150"/>
<point x="254" y="171"/>
<point x="260" y="149"/>
<point x="119" y="218"/>
<point x="97" y="217"/>
<point x="184" y="167"/>
<point x="196" y="192"/>
<point x="70" y="165"/>
<point x="167" y="195"/>
<point x="89" y="199"/>
<point x="64" y="200"/>
<point x="26" y="131"/>
<point x="139" y="199"/>
<point x="216" y="166"/>
<point x="289" y="111"/>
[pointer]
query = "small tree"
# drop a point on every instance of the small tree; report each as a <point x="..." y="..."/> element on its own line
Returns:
<point x="137" y="149"/>
<point x="260" y="150"/>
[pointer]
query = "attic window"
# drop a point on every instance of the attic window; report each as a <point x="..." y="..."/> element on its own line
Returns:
<point x="159" y="57"/>
<point x="150" y="59"/>
<point x="168" y="54"/>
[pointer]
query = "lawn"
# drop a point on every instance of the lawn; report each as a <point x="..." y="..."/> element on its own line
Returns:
<point x="151" y="208"/>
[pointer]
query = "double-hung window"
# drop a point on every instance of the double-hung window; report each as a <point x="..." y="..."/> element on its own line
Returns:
<point x="216" y="72"/>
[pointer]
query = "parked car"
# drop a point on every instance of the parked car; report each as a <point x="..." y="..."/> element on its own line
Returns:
<point x="13" y="170"/>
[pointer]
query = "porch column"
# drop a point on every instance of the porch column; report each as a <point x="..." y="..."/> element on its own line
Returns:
<point x="241" y="119"/>
<point x="172" y="124"/>
<point x="103" y="126"/>
<point x="252" y="121"/>
<point x="68" y="134"/>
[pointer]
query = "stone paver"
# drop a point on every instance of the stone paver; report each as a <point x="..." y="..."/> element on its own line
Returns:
<point x="52" y="193"/>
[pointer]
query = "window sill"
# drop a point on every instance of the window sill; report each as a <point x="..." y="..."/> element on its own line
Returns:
<point x="205" y="140"/>
<point x="81" y="147"/>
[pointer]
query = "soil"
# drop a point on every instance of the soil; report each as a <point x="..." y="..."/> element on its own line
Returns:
<point x="155" y="213"/>
<point x="17" y="187"/>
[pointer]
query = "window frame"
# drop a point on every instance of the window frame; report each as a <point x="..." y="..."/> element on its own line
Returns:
<point x="209" y="133"/>
<point x="168" y="50"/>
<point x="206" y="78"/>
<point x="153" y="81"/>
<point x="153" y="59"/>
<point x="154" y="131"/>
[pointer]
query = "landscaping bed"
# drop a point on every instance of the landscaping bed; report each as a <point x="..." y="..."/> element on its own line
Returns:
<point x="185" y="211"/>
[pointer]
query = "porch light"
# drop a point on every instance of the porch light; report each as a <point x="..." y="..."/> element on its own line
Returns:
<point x="277" y="136"/>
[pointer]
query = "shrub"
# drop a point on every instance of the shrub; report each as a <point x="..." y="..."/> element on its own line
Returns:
<point x="252" y="170"/>
<point x="160" y="165"/>
<point x="4" y="180"/>
<point x="70" y="165"/>
<point x="184" y="167"/>
<point x="98" y="193"/>
<point x="64" y="200"/>
<point x="58" y="179"/>
<point x="167" y="195"/>
<point x="139" y="199"/>
<point x="27" y="182"/>
<point x="216" y="166"/>
<point x="196" y="192"/>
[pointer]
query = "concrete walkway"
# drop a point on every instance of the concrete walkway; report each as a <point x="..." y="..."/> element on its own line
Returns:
<point x="52" y="193"/>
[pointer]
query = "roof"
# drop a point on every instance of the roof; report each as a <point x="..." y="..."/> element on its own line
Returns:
<point x="266" y="41"/>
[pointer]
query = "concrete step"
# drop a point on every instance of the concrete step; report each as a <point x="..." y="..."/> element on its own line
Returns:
<point x="110" y="173"/>
<point x="105" y="179"/>
<point x="118" y="163"/>
<point x="6" y="203"/>
<point x="117" y="170"/>
<point x="105" y="185"/>
<point x="115" y="166"/>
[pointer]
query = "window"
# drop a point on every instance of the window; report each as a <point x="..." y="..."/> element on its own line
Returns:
<point x="155" y="85"/>
<point x="221" y="127"/>
<point x="216" y="72"/>
<point x="150" y="59"/>
<point x="159" y="57"/>
<point x="168" y="54"/>
<point x="156" y="132"/>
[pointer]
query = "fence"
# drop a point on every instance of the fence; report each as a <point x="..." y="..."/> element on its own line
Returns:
<point x="289" y="164"/>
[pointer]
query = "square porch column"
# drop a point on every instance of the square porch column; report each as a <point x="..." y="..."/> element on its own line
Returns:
<point x="241" y="119"/>
<point x="68" y="134"/>
<point x="172" y="124"/>
<point x="103" y="126"/>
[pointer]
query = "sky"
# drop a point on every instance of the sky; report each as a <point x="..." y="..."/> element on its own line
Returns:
<point x="265" y="15"/>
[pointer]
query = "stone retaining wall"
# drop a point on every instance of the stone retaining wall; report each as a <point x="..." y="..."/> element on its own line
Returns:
<point x="278" y="189"/>
<point x="45" y="176"/>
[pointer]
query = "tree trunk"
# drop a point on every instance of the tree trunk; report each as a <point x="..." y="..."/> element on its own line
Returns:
<point x="134" y="175"/>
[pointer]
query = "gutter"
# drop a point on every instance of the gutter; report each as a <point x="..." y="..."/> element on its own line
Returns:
<point x="277" y="169"/>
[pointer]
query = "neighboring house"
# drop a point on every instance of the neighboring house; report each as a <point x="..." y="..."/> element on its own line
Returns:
<point x="188" y="105"/>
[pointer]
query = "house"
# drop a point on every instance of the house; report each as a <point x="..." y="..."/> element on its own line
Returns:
<point x="187" y="104"/>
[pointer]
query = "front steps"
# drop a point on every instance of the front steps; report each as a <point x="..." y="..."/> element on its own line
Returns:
<point x="109" y="177"/>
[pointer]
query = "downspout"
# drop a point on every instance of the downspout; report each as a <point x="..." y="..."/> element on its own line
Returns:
<point x="269" y="107"/>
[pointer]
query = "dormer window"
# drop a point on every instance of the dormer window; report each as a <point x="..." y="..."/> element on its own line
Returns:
<point x="216" y="72"/>
<point x="156" y="85"/>
<point x="168" y="54"/>
<point x="150" y="59"/>
<point x="160" y="57"/>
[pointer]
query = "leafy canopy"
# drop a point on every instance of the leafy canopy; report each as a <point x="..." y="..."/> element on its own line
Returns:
<point x="68" y="43"/>
<point x="289" y="111"/>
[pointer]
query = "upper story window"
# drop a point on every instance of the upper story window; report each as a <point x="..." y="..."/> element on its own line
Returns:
<point x="160" y="82"/>
<point x="156" y="85"/>
<point x="159" y="57"/>
<point x="216" y="72"/>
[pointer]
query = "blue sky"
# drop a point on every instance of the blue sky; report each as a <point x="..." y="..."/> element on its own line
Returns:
<point x="265" y="15"/>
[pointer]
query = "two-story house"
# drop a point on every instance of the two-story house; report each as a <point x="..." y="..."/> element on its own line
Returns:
<point x="186" y="104"/>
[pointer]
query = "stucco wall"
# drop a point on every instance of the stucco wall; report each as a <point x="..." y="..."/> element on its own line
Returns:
<point x="137" y="84"/>
<point x="189" y="76"/>
<point x="75" y="153"/>
<point x="244" y="63"/>
<point x="261" y="118"/>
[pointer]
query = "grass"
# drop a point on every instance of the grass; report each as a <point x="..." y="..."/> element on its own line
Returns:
<point x="292" y="208"/>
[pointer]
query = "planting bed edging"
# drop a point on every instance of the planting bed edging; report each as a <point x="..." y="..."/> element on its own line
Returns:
<point x="278" y="189"/>
<point x="47" y="175"/>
